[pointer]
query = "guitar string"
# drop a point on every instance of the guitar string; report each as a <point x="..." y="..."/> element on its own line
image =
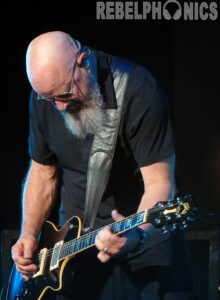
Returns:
<point x="66" y="246"/>
<point x="67" y="251"/>
<point x="76" y="243"/>
<point x="90" y="236"/>
<point x="133" y="218"/>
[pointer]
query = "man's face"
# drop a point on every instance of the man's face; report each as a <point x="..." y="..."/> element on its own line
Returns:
<point x="81" y="102"/>
<point x="62" y="83"/>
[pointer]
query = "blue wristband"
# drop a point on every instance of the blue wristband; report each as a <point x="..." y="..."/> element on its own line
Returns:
<point x="143" y="238"/>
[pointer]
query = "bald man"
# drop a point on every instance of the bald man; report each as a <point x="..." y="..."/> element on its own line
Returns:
<point x="72" y="88"/>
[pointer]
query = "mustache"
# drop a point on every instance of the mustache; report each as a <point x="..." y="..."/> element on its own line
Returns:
<point x="76" y="106"/>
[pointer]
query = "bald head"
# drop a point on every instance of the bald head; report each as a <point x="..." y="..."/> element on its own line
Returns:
<point x="49" y="61"/>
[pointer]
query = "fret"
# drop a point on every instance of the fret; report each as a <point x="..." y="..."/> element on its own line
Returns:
<point x="88" y="241"/>
<point x="133" y="222"/>
<point x="93" y="239"/>
<point x="77" y="245"/>
<point x="140" y="218"/>
<point x="50" y="259"/>
<point x="72" y="247"/>
<point x="121" y="227"/>
<point x="81" y="243"/>
<point x="128" y="224"/>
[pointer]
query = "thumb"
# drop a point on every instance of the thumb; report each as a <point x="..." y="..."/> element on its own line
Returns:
<point x="116" y="216"/>
<point x="29" y="247"/>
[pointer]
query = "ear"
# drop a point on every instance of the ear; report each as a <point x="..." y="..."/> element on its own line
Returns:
<point x="83" y="60"/>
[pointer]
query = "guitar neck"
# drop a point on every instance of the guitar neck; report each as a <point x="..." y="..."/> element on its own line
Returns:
<point x="162" y="214"/>
<point x="88" y="240"/>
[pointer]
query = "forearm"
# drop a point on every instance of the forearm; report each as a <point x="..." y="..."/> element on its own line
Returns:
<point x="159" y="185"/>
<point x="38" y="197"/>
<point x="131" y="241"/>
<point x="155" y="193"/>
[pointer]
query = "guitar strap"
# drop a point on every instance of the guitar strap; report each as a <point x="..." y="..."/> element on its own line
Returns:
<point x="103" y="146"/>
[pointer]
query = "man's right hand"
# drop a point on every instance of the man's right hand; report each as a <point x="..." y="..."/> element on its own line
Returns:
<point x="22" y="253"/>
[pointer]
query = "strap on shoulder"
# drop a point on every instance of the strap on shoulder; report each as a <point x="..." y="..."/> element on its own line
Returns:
<point x="103" y="146"/>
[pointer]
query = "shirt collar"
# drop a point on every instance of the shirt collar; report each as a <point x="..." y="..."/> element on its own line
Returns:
<point x="105" y="80"/>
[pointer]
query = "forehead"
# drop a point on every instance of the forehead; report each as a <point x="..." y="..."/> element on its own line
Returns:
<point x="52" y="80"/>
<point x="49" y="75"/>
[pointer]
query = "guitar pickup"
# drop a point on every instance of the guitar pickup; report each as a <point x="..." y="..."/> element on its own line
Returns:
<point x="42" y="262"/>
<point x="55" y="256"/>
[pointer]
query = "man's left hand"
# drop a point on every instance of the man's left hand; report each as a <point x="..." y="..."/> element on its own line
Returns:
<point x="110" y="244"/>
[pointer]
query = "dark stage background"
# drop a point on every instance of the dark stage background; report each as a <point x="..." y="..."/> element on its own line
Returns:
<point x="183" y="55"/>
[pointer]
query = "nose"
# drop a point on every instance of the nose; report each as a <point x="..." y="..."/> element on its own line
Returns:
<point x="61" y="105"/>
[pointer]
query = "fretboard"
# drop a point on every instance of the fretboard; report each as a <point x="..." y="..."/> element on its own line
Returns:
<point x="88" y="240"/>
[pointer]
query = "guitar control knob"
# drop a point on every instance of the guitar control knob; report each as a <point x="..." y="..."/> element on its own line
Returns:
<point x="157" y="221"/>
<point x="164" y="230"/>
<point x="177" y="215"/>
<point x="173" y="227"/>
<point x="168" y="218"/>
<point x="160" y="204"/>
<point x="183" y="225"/>
<point x="179" y="200"/>
<point x="170" y="203"/>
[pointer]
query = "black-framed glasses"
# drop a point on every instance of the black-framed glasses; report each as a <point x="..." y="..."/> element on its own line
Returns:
<point x="64" y="95"/>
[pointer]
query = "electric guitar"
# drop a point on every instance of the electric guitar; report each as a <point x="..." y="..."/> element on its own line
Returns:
<point x="58" y="246"/>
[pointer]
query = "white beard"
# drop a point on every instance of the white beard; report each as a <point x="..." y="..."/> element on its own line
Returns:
<point x="88" y="116"/>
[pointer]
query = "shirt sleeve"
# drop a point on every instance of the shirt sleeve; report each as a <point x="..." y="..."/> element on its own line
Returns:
<point x="147" y="118"/>
<point x="38" y="146"/>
